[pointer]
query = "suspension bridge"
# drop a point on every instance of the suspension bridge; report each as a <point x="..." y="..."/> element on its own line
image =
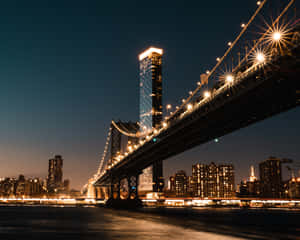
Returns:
<point x="261" y="82"/>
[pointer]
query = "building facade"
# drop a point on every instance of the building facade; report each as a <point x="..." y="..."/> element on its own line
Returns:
<point x="172" y="186"/>
<point x="181" y="183"/>
<point x="225" y="186"/>
<point x="190" y="186"/>
<point x="271" y="178"/>
<point x="213" y="181"/>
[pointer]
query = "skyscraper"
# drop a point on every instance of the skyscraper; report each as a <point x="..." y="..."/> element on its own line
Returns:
<point x="253" y="185"/>
<point x="151" y="106"/>
<point x="55" y="174"/>
<point x="181" y="182"/>
<point x="150" y="88"/>
<point x="270" y="178"/>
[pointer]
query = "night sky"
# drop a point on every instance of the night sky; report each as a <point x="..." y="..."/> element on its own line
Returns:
<point x="68" y="67"/>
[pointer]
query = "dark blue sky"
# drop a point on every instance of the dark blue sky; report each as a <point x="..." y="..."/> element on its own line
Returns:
<point x="69" y="67"/>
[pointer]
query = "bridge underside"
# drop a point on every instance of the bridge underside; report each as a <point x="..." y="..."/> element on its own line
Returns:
<point x="270" y="90"/>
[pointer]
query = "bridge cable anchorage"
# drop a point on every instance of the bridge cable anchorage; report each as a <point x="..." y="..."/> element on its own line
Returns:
<point x="222" y="58"/>
<point x="269" y="29"/>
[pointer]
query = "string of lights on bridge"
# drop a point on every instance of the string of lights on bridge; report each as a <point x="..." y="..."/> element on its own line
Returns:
<point x="275" y="37"/>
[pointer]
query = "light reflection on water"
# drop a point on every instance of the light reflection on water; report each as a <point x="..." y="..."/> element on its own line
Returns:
<point x="100" y="224"/>
<point x="129" y="228"/>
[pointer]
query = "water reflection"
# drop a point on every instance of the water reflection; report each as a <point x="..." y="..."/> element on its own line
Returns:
<point x="101" y="223"/>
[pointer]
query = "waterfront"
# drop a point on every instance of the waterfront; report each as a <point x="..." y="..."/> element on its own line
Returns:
<point x="41" y="222"/>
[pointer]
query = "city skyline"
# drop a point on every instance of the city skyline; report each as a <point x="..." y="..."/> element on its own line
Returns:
<point x="55" y="102"/>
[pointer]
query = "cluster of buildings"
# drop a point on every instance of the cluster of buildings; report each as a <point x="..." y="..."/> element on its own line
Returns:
<point x="217" y="181"/>
<point x="22" y="187"/>
<point x="207" y="181"/>
<point x="270" y="183"/>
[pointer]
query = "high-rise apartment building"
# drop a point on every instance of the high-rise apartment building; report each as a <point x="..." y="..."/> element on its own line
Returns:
<point x="213" y="181"/>
<point x="151" y="106"/>
<point x="181" y="183"/>
<point x="271" y="178"/>
<point x="199" y="174"/>
<point x="225" y="186"/>
<point x="55" y="174"/>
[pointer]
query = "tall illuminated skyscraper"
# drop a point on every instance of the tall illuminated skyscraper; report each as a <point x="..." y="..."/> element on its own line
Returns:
<point x="150" y="88"/>
<point x="151" y="109"/>
<point x="55" y="173"/>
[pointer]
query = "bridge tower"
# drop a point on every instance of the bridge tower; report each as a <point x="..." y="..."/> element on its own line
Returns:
<point x="119" y="141"/>
<point x="151" y="103"/>
<point x="125" y="185"/>
<point x="115" y="146"/>
<point x="91" y="190"/>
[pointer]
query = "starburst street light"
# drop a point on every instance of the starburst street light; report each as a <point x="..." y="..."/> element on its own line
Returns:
<point x="189" y="107"/>
<point x="279" y="36"/>
<point x="206" y="94"/>
<point x="229" y="78"/>
<point x="259" y="57"/>
<point x="276" y="36"/>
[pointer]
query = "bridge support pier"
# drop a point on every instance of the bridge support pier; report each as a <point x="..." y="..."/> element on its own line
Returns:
<point x="157" y="174"/>
<point x="132" y="187"/>
<point x="101" y="192"/>
<point x="116" y="189"/>
<point x="132" y="200"/>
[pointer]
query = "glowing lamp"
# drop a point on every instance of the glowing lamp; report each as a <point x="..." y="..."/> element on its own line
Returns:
<point x="229" y="78"/>
<point x="206" y="94"/>
<point x="260" y="57"/>
<point x="276" y="36"/>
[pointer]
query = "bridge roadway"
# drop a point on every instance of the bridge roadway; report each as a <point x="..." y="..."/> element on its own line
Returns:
<point x="256" y="95"/>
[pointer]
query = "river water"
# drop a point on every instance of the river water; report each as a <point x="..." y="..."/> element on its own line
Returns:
<point x="41" y="222"/>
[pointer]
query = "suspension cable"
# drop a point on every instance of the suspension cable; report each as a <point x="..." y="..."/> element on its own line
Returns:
<point x="222" y="58"/>
<point x="138" y="134"/>
<point x="269" y="29"/>
<point x="104" y="152"/>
